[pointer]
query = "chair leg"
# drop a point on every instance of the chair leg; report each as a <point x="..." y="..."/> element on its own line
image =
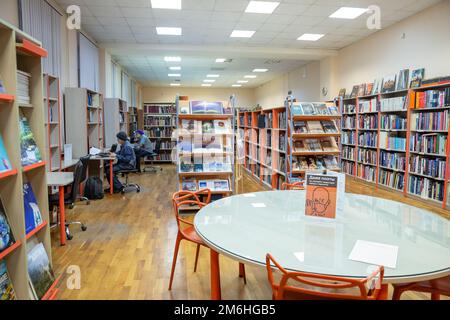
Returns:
<point x="196" y="257"/>
<point x="435" y="296"/>
<point x="242" y="272"/>
<point x="397" y="293"/>
<point x="174" y="261"/>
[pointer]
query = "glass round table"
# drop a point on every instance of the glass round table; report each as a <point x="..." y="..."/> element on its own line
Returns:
<point x="247" y="227"/>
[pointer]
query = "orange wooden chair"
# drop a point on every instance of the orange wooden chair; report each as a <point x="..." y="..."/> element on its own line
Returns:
<point x="293" y="186"/>
<point x="436" y="287"/>
<point x="187" y="198"/>
<point x="317" y="287"/>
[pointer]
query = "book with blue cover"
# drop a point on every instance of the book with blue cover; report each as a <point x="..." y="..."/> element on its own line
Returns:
<point x="203" y="107"/>
<point x="297" y="110"/>
<point x="6" y="288"/>
<point x="6" y="235"/>
<point x="33" y="217"/>
<point x="29" y="152"/>
<point x="5" y="165"/>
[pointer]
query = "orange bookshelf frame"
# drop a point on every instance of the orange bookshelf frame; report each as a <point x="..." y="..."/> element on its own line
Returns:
<point x="8" y="173"/>
<point x="36" y="230"/>
<point x="10" y="249"/>
<point x="6" y="98"/>
<point x="30" y="48"/>
<point x="34" y="166"/>
<point x="52" y="292"/>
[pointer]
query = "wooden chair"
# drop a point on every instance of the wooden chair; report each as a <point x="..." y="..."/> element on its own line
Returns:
<point x="293" y="186"/>
<point x="435" y="287"/>
<point x="187" y="198"/>
<point x="318" y="287"/>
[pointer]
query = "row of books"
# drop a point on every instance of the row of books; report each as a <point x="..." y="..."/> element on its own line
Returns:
<point x="314" y="108"/>
<point x="159" y="132"/>
<point x="165" y="144"/>
<point x="314" y="163"/>
<point x="430" y="167"/>
<point x="367" y="156"/>
<point x="395" y="180"/>
<point x="348" y="167"/>
<point x="429" y="143"/>
<point x="315" y="127"/>
<point x="367" y="173"/>
<point x="393" y="122"/>
<point x="160" y="121"/>
<point x="392" y="160"/>
<point x="393" y="104"/>
<point x="348" y="153"/>
<point x="204" y="107"/>
<point x="368" y="105"/>
<point x="430" y="120"/>
<point x="368" y="139"/>
<point x="164" y="157"/>
<point x="390" y="142"/>
<point x="368" y="122"/>
<point x="348" y="138"/>
<point x="190" y="184"/>
<point x="349" y="122"/>
<point x="433" y="99"/>
<point x="265" y="121"/>
<point x="23" y="87"/>
<point x="426" y="188"/>
<point x="163" y="109"/>
<point x="93" y="100"/>
<point x="282" y="120"/>
<point x="316" y="145"/>
<point x="349" y="109"/>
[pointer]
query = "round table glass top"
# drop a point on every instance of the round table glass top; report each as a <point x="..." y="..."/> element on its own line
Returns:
<point x="247" y="227"/>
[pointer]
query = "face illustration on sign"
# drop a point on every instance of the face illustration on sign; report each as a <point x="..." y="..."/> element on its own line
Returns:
<point x="321" y="201"/>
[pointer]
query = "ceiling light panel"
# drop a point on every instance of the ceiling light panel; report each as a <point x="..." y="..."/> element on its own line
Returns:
<point x="266" y="7"/>
<point x="260" y="70"/>
<point x="209" y="81"/>
<point x="242" y="34"/>
<point x="172" y="59"/>
<point x="250" y="77"/>
<point x="175" y="68"/>
<point x="174" y="75"/>
<point x="166" y="4"/>
<point x="213" y="76"/>
<point x="237" y="85"/>
<point x="206" y="85"/>
<point x="310" y="37"/>
<point x="169" y="31"/>
<point x="348" y="13"/>
<point x="221" y="60"/>
<point x="175" y="84"/>
<point x="242" y="81"/>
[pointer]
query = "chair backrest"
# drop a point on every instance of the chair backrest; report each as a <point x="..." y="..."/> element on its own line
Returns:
<point x="182" y="198"/>
<point x="317" y="286"/>
<point x="77" y="174"/>
<point x="85" y="162"/>
<point x="293" y="186"/>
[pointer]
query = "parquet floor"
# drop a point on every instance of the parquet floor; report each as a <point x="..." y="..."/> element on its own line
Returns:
<point x="126" y="253"/>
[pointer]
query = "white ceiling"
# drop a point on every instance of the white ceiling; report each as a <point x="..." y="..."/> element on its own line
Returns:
<point x="127" y="29"/>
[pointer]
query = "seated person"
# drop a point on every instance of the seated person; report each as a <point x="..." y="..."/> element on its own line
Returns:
<point x="143" y="147"/>
<point x="126" y="160"/>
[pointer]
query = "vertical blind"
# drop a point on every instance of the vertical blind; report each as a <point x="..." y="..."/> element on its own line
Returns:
<point x="116" y="78"/>
<point x="88" y="64"/>
<point x="43" y="22"/>
<point x="126" y="88"/>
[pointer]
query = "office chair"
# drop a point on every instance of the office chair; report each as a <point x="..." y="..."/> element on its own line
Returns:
<point x="70" y="198"/>
<point x="85" y="162"/>
<point x="129" y="186"/>
<point x="151" y="158"/>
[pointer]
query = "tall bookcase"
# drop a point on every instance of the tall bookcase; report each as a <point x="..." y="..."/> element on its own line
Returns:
<point x="132" y="120"/>
<point x="385" y="139"/>
<point x="159" y="123"/>
<point x="21" y="52"/>
<point x="116" y="119"/>
<point x="264" y="138"/>
<point x="84" y="115"/>
<point x="205" y="148"/>
<point x="52" y="116"/>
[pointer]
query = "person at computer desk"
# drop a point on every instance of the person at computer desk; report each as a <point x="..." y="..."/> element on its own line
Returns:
<point x="142" y="148"/>
<point x="126" y="160"/>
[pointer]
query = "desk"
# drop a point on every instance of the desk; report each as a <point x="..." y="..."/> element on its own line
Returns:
<point x="237" y="228"/>
<point x="111" y="174"/>
<point x="69" y="164"/>
<point x="60" y="180"/>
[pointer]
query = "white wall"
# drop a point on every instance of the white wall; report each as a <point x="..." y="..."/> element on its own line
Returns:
<point x="9" y="11"/>
<point x="245" y="97"/>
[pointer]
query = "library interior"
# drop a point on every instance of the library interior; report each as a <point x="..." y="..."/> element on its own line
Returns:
<point x="224" y="149"/>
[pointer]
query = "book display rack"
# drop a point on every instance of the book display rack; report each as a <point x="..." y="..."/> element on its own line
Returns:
<point x="205" y="146"/>
<point x="160" y="121"/>
<point x="24" y="216"/>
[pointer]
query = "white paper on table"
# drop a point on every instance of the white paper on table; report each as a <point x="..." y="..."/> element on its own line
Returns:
<point x="379" y="254"/>
<point x="94" y="151"/>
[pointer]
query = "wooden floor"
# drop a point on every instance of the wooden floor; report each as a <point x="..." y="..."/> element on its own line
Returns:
<point x="126" y="253"/>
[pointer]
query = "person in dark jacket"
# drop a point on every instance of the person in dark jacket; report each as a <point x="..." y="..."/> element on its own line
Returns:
<point x="126" y="160"/>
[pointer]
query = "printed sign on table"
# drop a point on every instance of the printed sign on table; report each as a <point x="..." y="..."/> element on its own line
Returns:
<point x="321" y="196"/>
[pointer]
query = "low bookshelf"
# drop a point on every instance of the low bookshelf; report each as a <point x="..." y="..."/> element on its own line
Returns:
<point x="159" y="123"/>
<point x="52" y="117"/>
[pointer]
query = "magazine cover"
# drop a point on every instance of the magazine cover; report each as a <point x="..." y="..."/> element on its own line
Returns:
<point x="308" y="109"/>
<point x="208" y="126"/>
<point x="222" y="126"/>
<point x="389" y="83"/>
<point x="321" y="196"/>
<point x="333" y="110"/>
<point x="6" y="288"/>
<point x="6" y="235"/>
<point x="39" y="270"/>
<point x="203" y="107"/>
<point x="377" y="86"/>
<point x="342" y="93"/>
<point x="417" y="77"/>
<point x="329" y="127"/>
<point x="29" y="151"/>
<point x="369" y="89"/>
<point x="227" y="109"/>
<point x="221" y="185"/>
<point x="321" y="108"/>
<point x="361" y="90"/>
<point x="212" y="142"/>
<point x="184" y="144"/>
<point x="33" y="217"/>
<point x="354" y="92"/>
<point x="402" y="80"/>
<point x="5" y="165"/>
<point x="184" y="107"/>
<point x="297" y="110"/>
<point x="189" y="185"/>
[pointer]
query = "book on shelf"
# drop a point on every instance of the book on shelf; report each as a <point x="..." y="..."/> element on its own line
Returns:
<point x="2" y="86"/>
<point x="361" y="90"/>
<point x="348" y="153"/>
<point x="368" y="105"/>
<point x="329" y="127"/>
<point x="6" y="235"/>
<point x="393" y="104"/>
<point x="367" y="173"/>
<point x="321" y="109"/>
<point x="6" y="288"/>
<point x="30" y="153"/>
<point x="377" y="86"/>
<point x="342" y="93"/>
<point x="392" y="160"/>
<point x="433" y="99"/>
<point x="389" y="83"/>
<point x="308" y="109"/>
<point x="331" y="162"/>
<point x="333" y="110"/>
<point x="402" y="80"/>
<point x="393" y="122"/>
<point x="432" y="143"/>
<point x="434" y="168"/>
<point x="5" y="164"/>
<point x="296" y="109"/>
<point x="300" y="127"/>
<point x="204" y="107"/>
<point x="33" y="216"/>
<point x="23" y="87"/>
<point x="368" y="139"/>
<point x="314" y="127"/>
<point x="433" y="121"/>
<point x="355" y="91"/>
<point x="313" y="145"/>
<point x="417" y="77"/>
<point x="329" y="145"/>
<point x="426" y="188"/>
<point x="391" y="179"/>
<point x="214" y="185"/>
<point x="299" y="146"/>
<point x="349" y="108"/>
<point x="188" y="184"/>
<point x="40" y="272"/>
<point x="368" y="89"/>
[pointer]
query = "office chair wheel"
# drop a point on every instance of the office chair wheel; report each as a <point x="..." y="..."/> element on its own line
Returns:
<point x="83" y="228"/>
<point x="68" y="235"/>
<point x="123" y="191"/>
<point x="71" y="206"/>
<point x="138" y="190"/>
<point x="88" y="203"/>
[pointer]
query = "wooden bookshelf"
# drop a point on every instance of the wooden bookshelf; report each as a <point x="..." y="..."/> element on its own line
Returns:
<point x="197" y="157"/>
<point x="20" y="52"/>
<point x="394" y="142"/>
<point x="116" y="119"/>
<point x="264" y="155"/>
<point x="52" y="116"/>
<point x="159" y="122"/>
<point x="132" y="120"/>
